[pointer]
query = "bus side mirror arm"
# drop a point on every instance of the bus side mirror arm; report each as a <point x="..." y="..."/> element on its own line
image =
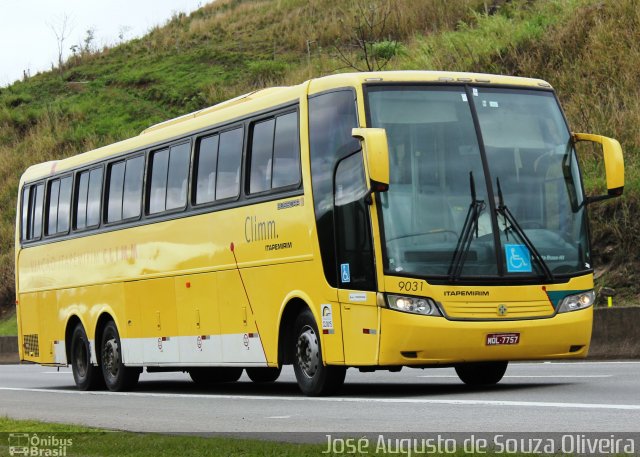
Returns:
<point x="613" y="163"/>
<point x="376" y="159"/>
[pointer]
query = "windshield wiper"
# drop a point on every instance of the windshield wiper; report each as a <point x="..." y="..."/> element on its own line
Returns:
<point x="513" y="224"/>
<point x="466" y="235"/>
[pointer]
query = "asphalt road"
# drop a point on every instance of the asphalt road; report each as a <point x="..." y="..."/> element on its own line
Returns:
<point x="533" y="397"/>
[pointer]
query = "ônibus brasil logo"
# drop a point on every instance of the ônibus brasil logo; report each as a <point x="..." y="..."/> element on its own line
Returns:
<point x="34" y="445"/>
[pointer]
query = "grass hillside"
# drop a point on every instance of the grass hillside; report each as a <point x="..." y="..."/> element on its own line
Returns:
<point x="589" y="50"/>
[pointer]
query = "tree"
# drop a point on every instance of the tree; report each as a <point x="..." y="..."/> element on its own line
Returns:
<point x="368" y="46"/>
<point x="61" y="32"/>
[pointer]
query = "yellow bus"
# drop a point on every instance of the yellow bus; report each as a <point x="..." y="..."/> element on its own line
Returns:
<point x="371" y="220"/>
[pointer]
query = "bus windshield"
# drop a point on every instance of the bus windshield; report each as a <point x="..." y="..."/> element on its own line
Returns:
<point x="484" y="183"/>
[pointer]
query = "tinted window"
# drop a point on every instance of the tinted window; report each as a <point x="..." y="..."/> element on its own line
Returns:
<point x="229" y="158"/>
<point x="286" y="151"/>
<point x="94" y="197"/>
<point x="64" y="204"/>
<point x="116" y="181"/>
<point x="275" y="154"/>
<point x="133" y="187"/>
<point x="331" y="118"/>
<point x="261" y="156"/>
<point x="206" y="161"/>
<point x="178" y="172"/>
<point x="353" y="230"/>
<point x="26" y="196"/>
<point x="81" y="200"/>
<point x="158" y="191"/>
<point x="52" y="212"/>
<point x="36" y="206"/>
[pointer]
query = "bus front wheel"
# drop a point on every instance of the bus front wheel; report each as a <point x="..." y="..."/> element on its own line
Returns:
<point x="116" y="375"/>
<point x="481" y="373"/>
<point x="313" y="376"/>
<point x="85" y="375"/>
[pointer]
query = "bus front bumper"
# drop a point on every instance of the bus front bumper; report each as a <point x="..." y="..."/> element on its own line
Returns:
<point x="410" y="339"/>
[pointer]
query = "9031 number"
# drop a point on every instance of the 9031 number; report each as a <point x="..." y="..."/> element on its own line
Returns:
<point x="410" y="286"/>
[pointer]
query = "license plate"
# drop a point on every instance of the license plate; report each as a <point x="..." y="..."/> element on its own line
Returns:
<point x="494" y="339"/>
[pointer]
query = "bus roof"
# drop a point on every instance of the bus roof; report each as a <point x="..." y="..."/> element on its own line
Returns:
<point x="246" y="104"/>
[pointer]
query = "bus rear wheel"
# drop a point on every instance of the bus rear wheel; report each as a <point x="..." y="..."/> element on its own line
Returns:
<point x="117" y="376"/>
<point x="85" y="375"/>
<point x="213" y="375"/>
<point x="481" y="373"/>
<point x="313" y="376"/>
<point x="263" y="375"/>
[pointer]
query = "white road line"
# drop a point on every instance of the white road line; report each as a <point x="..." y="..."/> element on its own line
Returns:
<point x="526" y="377"/>
<point x="581" y="362"/>
<point x="426" y="401"/>
<point x="279" y="417"/>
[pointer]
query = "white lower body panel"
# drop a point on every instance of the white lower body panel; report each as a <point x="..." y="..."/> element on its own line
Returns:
<point x="242" y="349"/>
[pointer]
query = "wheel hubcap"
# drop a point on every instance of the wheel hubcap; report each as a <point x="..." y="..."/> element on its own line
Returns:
<point x="308" y="352"/>
<point x="111" y="357"/>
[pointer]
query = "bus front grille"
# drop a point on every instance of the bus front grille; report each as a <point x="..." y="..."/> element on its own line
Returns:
<point x="498" y="310"/>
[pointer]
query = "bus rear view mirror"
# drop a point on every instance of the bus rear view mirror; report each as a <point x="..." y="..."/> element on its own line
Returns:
<point x="613" y="163"/>
<point x="376" y="157"/>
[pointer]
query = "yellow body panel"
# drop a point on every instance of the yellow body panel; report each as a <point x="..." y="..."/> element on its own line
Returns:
<point x="408" y="339"/>
<point x="233" y="273"/>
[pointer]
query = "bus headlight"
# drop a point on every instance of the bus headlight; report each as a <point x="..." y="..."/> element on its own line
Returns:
<point x="415" y="305"/>
<point x="578" y="301"/>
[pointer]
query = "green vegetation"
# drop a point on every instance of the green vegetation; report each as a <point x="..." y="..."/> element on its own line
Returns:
<point x="8" y="324"/>
<point x="588" y="49"/>
<point x="90" y="442"/>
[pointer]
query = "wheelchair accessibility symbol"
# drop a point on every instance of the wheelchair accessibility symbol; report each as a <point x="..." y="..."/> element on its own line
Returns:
<point x="518" y="258"/>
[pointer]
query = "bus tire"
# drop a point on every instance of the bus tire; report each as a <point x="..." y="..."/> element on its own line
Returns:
<point x="117" y="376"/>
<point x="313" y="376"/>
<point x="214" y="375"/>
<point x="85" y="375"/>
<point x="481" y="373"/>
<point x="264" y="375"/>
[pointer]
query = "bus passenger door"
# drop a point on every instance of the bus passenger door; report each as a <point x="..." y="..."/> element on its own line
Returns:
<point x="355" y="263"/>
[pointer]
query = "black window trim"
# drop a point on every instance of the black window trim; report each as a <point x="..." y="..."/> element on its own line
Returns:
<point x="193" y="171"/>
<point x="76" y="184"/>
<point x="45" y="205"/>
<point x="191" y="209"/>
<point x="106" y="177"/>
<point x="247" y="163"/>
<point x="146" y="191"/>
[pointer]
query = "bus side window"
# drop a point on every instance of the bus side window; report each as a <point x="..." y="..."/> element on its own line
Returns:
<point x="229" y="159"/>
<point x="114" y="197"/>
<point x="158" y="191"/>
<point x="261" y="154"/>
<point x="64" y="205"/>
<point x="132" y="198"/>
<point x="179" y="157"/>
<point x="59" y="202"/>
<point x="26" y="196"/>
<point x="169" y="172"/>
<point x="36" y="212"/>
<point x="275" y="154"/>
<point x="94" y="197"/>
<point x="82" y="191"/>
<point x="206" y="162"/>
<point x="53" y="194"/>
<point x="286" y="152"/>
<point x="32" y="202"/>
